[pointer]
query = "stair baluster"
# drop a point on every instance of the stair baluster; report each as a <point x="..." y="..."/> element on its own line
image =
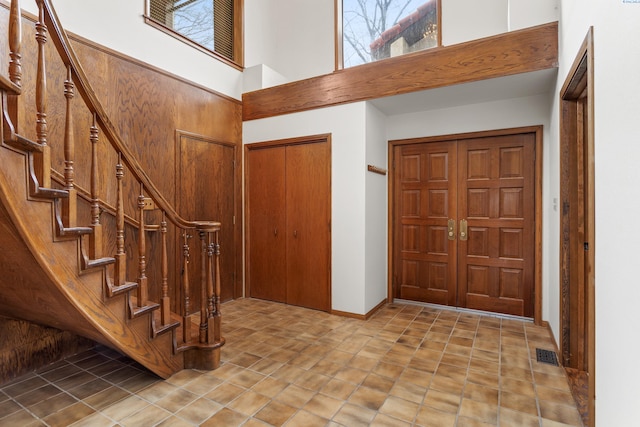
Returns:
<point x="70" y="204"/>
<point x="42" y="161"/>
<point x="165" y="306"/>
<point x="95" y="239"/>
<point x="143" y="293"/>
<point x="217" y="315"/>
<point x="121" y="257"/>
<point x="15" y="44"/>
<point x="186" y="320"/>
<point x="203" y="287"/>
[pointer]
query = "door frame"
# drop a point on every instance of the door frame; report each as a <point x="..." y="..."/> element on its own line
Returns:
<point x="577" y="216"/>
<point x="537" y="130"/>
<point x="302" y="140"/>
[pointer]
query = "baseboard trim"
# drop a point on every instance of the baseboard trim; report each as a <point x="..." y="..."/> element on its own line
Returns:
<point x="361" y="316"/>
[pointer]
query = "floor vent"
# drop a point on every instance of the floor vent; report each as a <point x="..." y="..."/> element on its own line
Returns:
<point x="546" y="356"/>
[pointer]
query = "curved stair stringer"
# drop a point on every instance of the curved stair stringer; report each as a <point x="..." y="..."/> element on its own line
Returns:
<point x="42" y="279"/>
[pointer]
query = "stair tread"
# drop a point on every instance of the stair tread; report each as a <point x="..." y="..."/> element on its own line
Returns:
<point x="9" y="86"/>
<point x="100" y="262"/>
<point x="159" y="328"/>
<point x="49" y="193"/>
<point x="24" y="144"/>
<point x="139" y="311"/>
<point x="125" y="287"/>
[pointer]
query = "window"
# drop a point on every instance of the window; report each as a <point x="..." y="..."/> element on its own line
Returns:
<point x="378" y="29"/>
<point x="209" y="24"/>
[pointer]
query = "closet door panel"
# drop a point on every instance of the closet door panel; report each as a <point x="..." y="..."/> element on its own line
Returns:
<point x="308" y="226"/>
<point x="266" y="233"/>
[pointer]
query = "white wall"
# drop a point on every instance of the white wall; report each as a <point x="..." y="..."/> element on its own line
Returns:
<point x="376" y="210"/>
<point x="119" y="25"/>
<point x="617" y="108"/>
<point x="465" y="20"/>
<point x="295" y="38"/>
<point x="348" y="168"/>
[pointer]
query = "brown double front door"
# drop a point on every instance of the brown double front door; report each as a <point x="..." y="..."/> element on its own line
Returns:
<point x="464" y="223"/>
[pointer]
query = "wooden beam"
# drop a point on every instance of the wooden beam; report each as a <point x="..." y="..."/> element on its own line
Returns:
<point x="521" y="51"/>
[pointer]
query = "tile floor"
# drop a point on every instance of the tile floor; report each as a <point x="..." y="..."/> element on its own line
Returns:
<point x="406" y="366"/>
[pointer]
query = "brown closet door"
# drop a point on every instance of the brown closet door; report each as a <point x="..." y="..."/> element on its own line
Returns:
<point x="308" y="186"/>
<point x="496" y="197"/>
<point x="426" y="201"/>
<point x="266" y="231"/>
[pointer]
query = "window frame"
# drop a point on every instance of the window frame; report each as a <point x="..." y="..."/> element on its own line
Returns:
<point x="238" y="41"/>
<point x="339" y="36"/>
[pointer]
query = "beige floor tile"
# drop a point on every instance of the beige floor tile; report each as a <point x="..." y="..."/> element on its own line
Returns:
<point x="177" y="400"/>
<point x="382" y="420"/>
<point x="295" y="396"/>
<point x="225" y="393"/>
<point x="323" y="406"/>
<point x="151" y="415"/>
<point x="94" y="420"/>
<point x="367" y="397"/>
<point x="400" y="408"/>
<point x="338" y="389"/>
<point x="510" y="418"/>
<point x="354" y="416"/>
<point x="225" y="417"/>
<point x="69" y="415"/>
<point x="519" y="403"/>
<point x="306" y="419"/>
<point x="248" y="403"/>
<point x="484" y="412"/>
<point x="559" y="412"/>
<point x="275" y="413"/>
<point x="430" y="417"/>
<point x="125" y="408"/>
<point x="198" y="411"/>
<point x="442" y="401"/>
<point x="481" y="393"/>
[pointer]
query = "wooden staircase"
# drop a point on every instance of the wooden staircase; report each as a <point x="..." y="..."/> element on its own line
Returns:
<point x="59" y="272"/>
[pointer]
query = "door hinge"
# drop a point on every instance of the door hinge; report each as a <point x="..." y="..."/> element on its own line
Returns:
<point x="586" y="246"/>
<point x="234" y="220"/>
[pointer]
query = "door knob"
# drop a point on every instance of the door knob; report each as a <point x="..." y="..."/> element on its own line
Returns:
<point x="463" y="229"/>
<point x="451" y="229"/>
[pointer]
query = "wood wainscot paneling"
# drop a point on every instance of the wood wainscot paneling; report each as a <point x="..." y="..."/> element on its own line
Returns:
<point x="521" y="51"/>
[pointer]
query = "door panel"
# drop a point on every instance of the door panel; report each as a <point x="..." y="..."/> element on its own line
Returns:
<point x="484" y="187"/>
<point x="266" y="231"/>
<point x="426" y="202"/>
<point x="206" y="167"/>
<point x="495" y="264"/>
<point x="308" y="229"/>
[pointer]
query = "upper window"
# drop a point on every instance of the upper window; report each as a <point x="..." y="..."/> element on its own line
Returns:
<point x="206" y="23"/>
<point x="378" y="29"/>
